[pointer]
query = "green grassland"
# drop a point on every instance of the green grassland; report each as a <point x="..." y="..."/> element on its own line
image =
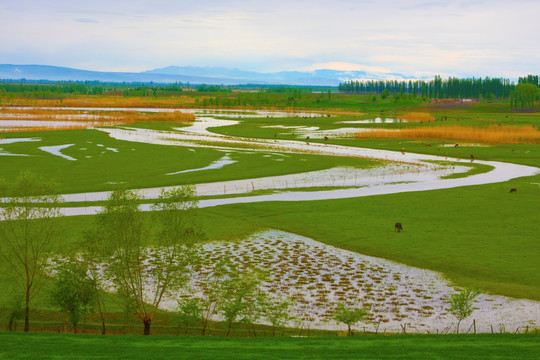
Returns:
<point x="476" y="236"/>
<point x="139" y="165"/>
<point x="54" y="346"/>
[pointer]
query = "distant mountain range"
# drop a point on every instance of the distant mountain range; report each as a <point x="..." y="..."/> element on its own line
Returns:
<point x="193" y="75"/>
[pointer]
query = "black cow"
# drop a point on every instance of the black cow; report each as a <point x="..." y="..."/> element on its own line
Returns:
<point x="398" y="227"/>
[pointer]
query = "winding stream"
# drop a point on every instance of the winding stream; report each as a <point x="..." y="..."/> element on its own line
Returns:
<point x="405" y="172"/>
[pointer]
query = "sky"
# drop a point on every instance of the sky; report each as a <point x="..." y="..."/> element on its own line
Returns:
<point x="411" y="37"/>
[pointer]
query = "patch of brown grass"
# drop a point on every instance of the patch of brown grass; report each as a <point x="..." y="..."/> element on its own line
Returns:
<point x="417" y="117"/>
<point x="91" y="118"/>
<point x="126" y="117"/>
<point x="42" y="128"/>
<point x="489" y="134"/>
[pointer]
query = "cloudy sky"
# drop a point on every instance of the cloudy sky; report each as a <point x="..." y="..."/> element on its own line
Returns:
<point x="411" y="37"/>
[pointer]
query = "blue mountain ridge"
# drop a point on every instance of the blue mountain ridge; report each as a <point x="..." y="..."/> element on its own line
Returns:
<point x="193" y="75"/>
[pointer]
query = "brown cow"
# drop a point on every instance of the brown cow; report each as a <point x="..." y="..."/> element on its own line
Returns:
<point x="398" y="227"/>
<point x="513" y="190"/>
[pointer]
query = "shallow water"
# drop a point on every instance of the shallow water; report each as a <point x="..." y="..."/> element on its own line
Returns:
<point x="52" y="124"/>
<point x="16" y="140"/>
<point x="323" y="275"/>
<point x="421" y="175"/>
<point x="374" y="121"/>
<point x="56" y="150"/>
<point x="218" y="164"/>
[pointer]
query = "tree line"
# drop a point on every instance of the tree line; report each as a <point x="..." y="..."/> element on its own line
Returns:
<point x="523" y="95"/>
<point x="49" y="91"/>
<point x="471" y="88"/>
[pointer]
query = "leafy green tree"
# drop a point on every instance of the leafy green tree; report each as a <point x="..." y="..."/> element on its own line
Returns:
<point x="212" y="293"/>
<point x="461" y="305"/>
<point x="146" y="260"/>
<point x="525" y="95"/>
<point x="240" y="296"/>
<point x="28" y="233"/>
<point x="278" y="313"/>
<point x="349" y="316"/>
<point x="74" y="292"/>
<point x="189" y="313"/>
<point x="15" y="311"/>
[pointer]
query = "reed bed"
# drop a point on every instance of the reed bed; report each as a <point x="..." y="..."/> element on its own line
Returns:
<point x="490" y="134"/>
<point x="87" y="118"/>
<point x="42" y="128"/>
<point x="417" y="117"/>
<point x="126" y="117"/>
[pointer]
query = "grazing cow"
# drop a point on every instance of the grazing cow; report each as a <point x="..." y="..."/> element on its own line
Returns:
<point x="307" y="137"/>
<point x="513" y="190"/>
<point x="457" y="145"/>
<point x="326" y="138"/>
<point x="398" y="227"/>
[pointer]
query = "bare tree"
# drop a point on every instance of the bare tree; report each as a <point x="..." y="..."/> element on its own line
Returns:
<point x="28" y="233"/>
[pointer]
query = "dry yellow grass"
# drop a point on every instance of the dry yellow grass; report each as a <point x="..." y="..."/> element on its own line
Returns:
<point x="417" y="117"/>
<point x="126" y="117"/>
<point x="43" y="128"/>
<point x="489" y="134"/>
<point x="89" y="118"/>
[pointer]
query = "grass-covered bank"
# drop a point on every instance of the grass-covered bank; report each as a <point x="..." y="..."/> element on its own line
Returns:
<point x="102" y="163"/>
<point x="54" y="346"/>
<point x="479" y="236"/>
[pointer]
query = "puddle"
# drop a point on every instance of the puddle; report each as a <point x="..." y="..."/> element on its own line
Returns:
<point x="55" y="150"/>
<point x="5" y="153"/>
<point x="315" y="132"/>
<point x="374" y="121"/>
<point x="218" y="164"/>
<point x="331" y="133"/>
<point x="457" y="145"/>
<point x="16" y="140"/>
<point x="52" y="124"/>
<point x="201" y="124"/>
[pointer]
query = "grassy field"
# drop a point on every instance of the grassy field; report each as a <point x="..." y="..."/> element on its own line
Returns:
<point x="103" y="162"/>
<point x="477" y="236"/>
<point x="54" y="346"/>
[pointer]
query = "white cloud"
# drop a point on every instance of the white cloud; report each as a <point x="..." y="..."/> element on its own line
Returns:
<point x="409" y="36"/>
<point x="345" y="66"/>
